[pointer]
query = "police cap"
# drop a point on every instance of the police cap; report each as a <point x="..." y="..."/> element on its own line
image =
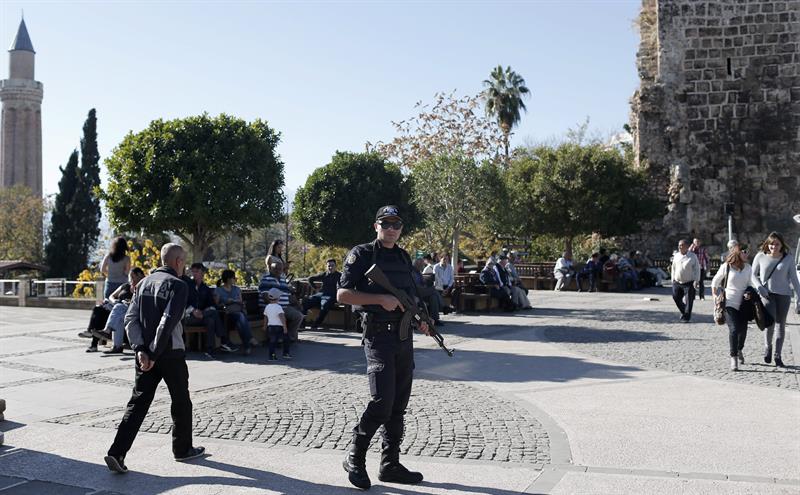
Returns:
<point x="386" y="212"/>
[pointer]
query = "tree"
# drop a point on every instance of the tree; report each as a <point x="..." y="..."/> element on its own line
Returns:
<point x="450" y="192"/>
<point x="64" y="253"/>
<point x="337" y="205"/>
<point x="450" y="126"/>
<point x="21" y="232"/>
<point x="87" y="195"/>
<point x="571" y="189"/>
<point x="198" y="177"/>
<point x="504" y="92"/>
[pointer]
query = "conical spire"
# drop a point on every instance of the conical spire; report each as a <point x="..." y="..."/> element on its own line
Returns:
<point x="22" y="41"/>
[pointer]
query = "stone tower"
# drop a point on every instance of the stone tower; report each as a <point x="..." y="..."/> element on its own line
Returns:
<point x="716" y="119"/>
<point x="21" y="134"/>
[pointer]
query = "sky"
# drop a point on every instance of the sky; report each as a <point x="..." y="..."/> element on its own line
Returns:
<point x="327" y="75"/>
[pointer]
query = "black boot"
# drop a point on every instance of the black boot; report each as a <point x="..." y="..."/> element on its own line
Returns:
<point x="356" y="466"/>
<point x="394" y="472"/>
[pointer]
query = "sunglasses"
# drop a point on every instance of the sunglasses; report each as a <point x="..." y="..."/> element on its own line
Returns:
<point x="397" y="225"/>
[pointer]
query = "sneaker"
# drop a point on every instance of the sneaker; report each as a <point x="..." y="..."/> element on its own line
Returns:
<point x="192" y="453"/>
<point x="287" y="356"/>
<point x="101" y="334"/>
<point x="91" y="348"/>
<point x="741" y="357"/>
<point x="734" y="364"/>
<point x="273" y="357"/>
<point x="208" y="355"/>
<point x="228" y="348"/>
<point x="254" y="342"/>
<point x="114" y="350"/>
<point x="86" y="334"/>
<point x="116" y="464"/>
<point x="779" y="363"/>
<point x="767" y="355"/>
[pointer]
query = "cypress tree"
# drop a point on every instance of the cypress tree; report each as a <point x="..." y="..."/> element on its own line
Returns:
<point x="62" y="253"/>
<point x="87" y="201"/>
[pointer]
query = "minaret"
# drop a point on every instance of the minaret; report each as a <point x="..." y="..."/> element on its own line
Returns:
<point x="21" y="135"/>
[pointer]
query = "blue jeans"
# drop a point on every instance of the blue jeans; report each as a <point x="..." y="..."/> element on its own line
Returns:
<point x="109" y="288"/>
<point x="324" y="302"/>
<point x="737" y="330"/>
<point x="244" y="328"/>
<point x="275" y="332"/>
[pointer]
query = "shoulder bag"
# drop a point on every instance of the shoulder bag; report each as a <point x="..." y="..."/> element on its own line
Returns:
<point x="719" y="301"/>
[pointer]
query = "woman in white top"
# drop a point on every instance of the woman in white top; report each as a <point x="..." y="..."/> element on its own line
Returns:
<point x="115" y="266"/>
<point x="738" y="273"/>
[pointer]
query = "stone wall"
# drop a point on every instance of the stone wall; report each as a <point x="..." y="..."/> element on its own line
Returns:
<point x="716" y="119"/>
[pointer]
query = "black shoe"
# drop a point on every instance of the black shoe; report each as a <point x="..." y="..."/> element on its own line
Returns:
<point x="768" y="355"/>
<point x="116" y="464"/>
<point x="355" y="465"/>
<point x="192" y="453"/>
<point x="779" y="363"/>
<point x="101" y="335"/>
<point x="397" y="473"/>
<point x="91" y="348"/>
<point x="114" y="350"/>
<point x="86" y="334"/>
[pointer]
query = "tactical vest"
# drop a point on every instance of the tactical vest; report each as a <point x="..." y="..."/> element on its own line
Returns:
<point x="396" y="264"/>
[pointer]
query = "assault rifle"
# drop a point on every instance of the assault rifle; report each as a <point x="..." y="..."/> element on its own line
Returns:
<point x="412" y="311"/>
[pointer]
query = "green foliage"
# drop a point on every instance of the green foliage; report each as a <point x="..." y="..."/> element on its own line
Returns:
<point x="570" y="190"/>
<point x="64" y="253"/>
<point x="87" y="199"/>
<point x="198" y="177"/>
<point x="21" y="232"/>
<point x="337" y="205"/>
<point x="504" y="91"/>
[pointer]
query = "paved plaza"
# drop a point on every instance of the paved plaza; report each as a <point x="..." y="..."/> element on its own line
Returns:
<point x="586" y="393"/>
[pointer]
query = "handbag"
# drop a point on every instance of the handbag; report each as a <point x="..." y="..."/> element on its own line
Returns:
<point x="719" y="301"/>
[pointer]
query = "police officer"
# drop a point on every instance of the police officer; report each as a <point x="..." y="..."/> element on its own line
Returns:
<point x="390" y="358"/>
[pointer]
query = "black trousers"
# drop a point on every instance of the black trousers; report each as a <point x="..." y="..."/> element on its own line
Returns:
<point x="737" y="330"/>
<point x="679" y="293"/>
<point x="173" y="370"/>
<point x="390" y="368"/>
<point x="701" y="288"/>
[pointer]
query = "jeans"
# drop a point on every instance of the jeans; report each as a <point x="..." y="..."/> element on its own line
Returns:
<point x="109" y="288"/>
<point x="681" y="292"/>
<point x="243" y="325"/>
<point x="737" y="330"/>
<point x="294" y="318"/>
<point x="778" y="307"/>
<point x="214" y="327"/>
<point x="172" y="369"/>
<point x="701" y="289"/>
<point x="116" y="323"/>
<point x="563" y="280"/>
<point x="584" y="275"/>
<point x="432" y="299"/>
<point x="390" y="368"/>
<point x="275" y="332"/>
<point x="630" y="276"/>
<point x="323" y="302"/>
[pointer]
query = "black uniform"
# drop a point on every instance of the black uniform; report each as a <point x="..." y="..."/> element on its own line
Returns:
<point x="390" y="360"/>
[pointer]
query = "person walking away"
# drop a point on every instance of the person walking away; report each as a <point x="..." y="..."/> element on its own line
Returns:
<point x="153" y="324"/>
<point x="389" y="353"/>
<point x="774" y="277"/>
<point x="685" y="277"/>
<point x="734" y="278"/>
<point x="275" y="325"/>
<point x="702" y="258"/>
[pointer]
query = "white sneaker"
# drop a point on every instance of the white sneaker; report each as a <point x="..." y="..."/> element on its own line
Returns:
<point x="734" y="364"/>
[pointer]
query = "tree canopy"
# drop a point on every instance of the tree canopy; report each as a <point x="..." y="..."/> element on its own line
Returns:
<point x="21" y="232"/>
<point x="504" y="92"/>
<point x="65" y="254"/>
<point x="198" y="177"/>
<point x="337" y="205"/>
<point x="572" y="189"/>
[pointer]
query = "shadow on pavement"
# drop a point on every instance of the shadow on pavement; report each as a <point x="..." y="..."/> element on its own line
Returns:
<point x="53" y="468"/>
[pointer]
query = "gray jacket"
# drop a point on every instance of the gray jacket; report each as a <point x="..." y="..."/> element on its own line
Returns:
<point x="153" y="320"/>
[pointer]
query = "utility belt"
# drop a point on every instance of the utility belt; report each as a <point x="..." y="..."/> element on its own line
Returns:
<point x="370" y="326"/>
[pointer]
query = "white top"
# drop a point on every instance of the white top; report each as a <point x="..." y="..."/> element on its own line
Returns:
<point x="738" y="281"/>
<point x="428" y="270"/>
<point x="443" y="276"/>
<point x="685" y="267"/>
<point x="273" y="312"/>
<point x="562" y="263"/>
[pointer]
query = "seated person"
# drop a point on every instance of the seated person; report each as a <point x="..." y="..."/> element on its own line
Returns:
<point x="490" y="279"/>
<point x="563" y="271"/>
<point x="326" y="297"/>
<point x="591" y="271"/>
<point x="429" y="295"/>
<point x="119" y="300"/>
<point x="628" y="273"/>
<point x="610" y="269"/>
<point x="658" y="274"/>
<point x="201" y="310"/>
<point x="445" y="283"/>
<point x="229" y="297"/>
<point x="276" y="279"/>
<point x="518" y="296"/>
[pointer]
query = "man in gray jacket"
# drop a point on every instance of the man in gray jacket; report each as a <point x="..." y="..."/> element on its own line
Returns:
<point x="153" y="324"/>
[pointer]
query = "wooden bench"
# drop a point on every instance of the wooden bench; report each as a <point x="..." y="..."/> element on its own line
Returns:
<point x="194" y="335"/>
<point x="474" y="296"/>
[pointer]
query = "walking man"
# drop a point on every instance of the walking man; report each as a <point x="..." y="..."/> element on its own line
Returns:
<point x="153" y="324"/>
<point x="702" y="258"/>
<point x="390" y="355"/>
<point x="685" y="278"/>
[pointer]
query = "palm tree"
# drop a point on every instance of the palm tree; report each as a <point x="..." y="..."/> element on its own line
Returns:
<point x="504" y="92"/>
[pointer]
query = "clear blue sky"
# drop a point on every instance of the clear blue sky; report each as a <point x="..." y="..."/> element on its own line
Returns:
<point x="328" y="75"/>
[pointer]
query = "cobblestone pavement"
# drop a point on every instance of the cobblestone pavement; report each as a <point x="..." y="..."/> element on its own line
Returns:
<point x="311" y="409"/>
<point x="648" y="334"/>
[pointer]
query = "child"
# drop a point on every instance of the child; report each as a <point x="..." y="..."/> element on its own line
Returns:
<point x="275" y="324"/>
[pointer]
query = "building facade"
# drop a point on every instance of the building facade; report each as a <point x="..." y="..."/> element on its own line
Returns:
<point x="21" y="121"/>
<point x="716" y="119"/>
